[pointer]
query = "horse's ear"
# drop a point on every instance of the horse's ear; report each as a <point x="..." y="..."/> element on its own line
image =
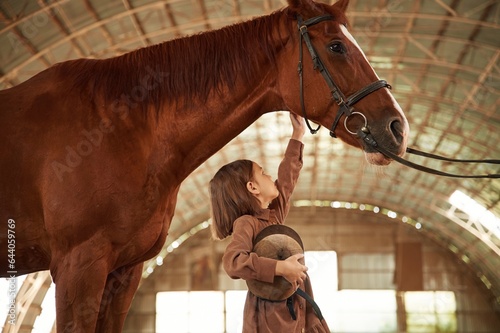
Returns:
<point x="342" y="5"/>
<point x="306" y="8"/>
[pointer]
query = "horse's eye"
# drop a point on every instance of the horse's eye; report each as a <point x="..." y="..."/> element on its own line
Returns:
<point x="337" y="47"/>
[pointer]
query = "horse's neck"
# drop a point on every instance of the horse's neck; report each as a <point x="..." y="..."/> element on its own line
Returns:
<point x="197" y="133"/>
<point x="194" y="134"/>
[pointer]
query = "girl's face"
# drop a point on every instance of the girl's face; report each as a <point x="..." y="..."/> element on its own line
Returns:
<point x="265" y="188"/>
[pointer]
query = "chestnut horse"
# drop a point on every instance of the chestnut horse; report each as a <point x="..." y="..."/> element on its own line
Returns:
<point x="94" y="151"/>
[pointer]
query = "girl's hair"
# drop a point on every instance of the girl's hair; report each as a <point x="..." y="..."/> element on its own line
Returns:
<point x="229" y="197"/>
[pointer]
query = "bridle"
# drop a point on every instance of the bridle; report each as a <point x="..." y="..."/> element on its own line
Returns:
<point x="345" y="104"/>
<point x="346" y="107"/>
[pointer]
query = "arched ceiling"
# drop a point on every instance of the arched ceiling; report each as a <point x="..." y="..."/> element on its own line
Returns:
<point x="442" y="58"/>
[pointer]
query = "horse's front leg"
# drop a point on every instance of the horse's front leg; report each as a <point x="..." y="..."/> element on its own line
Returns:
<point x="80" y="277"/>
<point x="121" y="286"/>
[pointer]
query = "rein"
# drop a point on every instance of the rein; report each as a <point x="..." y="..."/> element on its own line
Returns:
<point x="346" y="108"/>
<point x="365" y="134"/>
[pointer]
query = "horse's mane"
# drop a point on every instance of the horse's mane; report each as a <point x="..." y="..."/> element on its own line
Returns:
<point x="189" y="68"/>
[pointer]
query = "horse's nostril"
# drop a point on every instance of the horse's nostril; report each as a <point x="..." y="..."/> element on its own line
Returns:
<point x="397" y="130"/>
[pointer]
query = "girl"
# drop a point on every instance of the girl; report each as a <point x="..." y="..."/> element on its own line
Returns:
<point x="244" y="201"/>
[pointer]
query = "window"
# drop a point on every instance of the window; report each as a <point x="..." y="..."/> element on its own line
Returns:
<point x="367" y="271"/>
<point x="430" y="311"/>
<point x="190" y="312"/>
<point x="365" y="311"/>
<point x="322" y="270"/>
<point x="235" y="301"/>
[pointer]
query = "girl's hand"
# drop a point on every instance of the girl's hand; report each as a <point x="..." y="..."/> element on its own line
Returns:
<point x="292" y="270"/>
<point x="299" y="126"/>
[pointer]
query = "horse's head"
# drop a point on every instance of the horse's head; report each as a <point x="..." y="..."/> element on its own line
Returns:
<point x="340" y="89"/>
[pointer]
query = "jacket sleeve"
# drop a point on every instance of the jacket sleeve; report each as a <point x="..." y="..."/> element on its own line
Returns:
<point x="239" y="261"/>
<point x="288" y="174"/>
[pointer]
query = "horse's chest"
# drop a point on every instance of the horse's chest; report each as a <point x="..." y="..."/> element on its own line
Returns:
<point x="150" y="234"/>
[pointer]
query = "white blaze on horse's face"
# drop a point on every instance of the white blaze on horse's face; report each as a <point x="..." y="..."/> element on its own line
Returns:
<point x="351" y="38"/>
